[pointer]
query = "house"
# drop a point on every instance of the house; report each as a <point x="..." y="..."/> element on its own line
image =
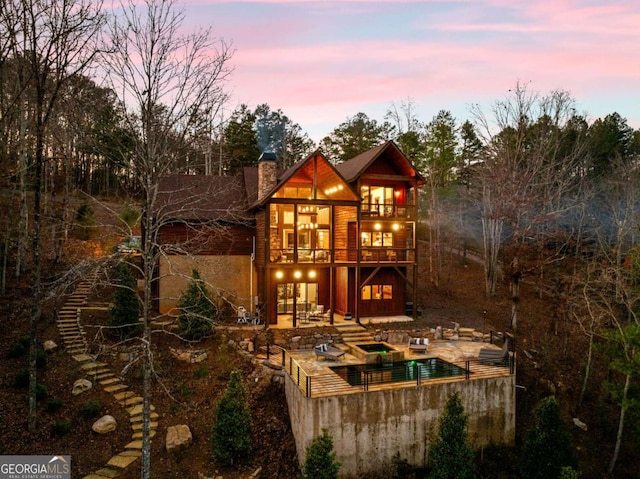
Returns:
<point x="315" y="238"/>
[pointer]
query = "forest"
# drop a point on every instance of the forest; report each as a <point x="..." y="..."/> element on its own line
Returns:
<point x="97" y="107"/>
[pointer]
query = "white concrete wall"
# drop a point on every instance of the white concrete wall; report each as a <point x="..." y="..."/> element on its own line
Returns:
<point x="368" y="428"/>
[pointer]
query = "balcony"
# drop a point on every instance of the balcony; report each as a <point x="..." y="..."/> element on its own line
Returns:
<point x="369" y="210"/>
<point x="386" y="255"/>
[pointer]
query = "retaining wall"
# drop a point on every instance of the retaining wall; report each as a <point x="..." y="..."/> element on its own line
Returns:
<point x="368" y="428"/>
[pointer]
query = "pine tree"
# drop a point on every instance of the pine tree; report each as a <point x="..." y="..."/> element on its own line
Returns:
<point x="451" y="455"/>
<point x="125" y="312"/>
<point x="196" y="310"/>
<point x="231" y="435"/>
<point x="547" y="446"/>
<point x="320" y="462"/>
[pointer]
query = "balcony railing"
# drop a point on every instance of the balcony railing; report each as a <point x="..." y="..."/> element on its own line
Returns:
<point x="369" y="210"/>
<point x="342" y="255"/>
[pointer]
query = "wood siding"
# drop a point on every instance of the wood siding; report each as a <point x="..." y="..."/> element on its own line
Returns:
<point x="208" y="240"/>
<point x="384" y="307"/>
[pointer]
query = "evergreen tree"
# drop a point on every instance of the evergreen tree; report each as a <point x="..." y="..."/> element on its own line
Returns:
<point x="320" y="461"/>
<point x="231" y="435"/>
<point x="547" y="446"/>
<point x="125" y="312"/>
<point x="196" y="310"/>
<point x="451" y="455"/>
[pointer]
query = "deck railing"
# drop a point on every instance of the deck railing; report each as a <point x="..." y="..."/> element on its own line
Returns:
<point x="329" y="382"/>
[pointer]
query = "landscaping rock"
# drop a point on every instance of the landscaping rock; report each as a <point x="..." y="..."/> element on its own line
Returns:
<point x="188" y="356"/>
<point x="105" y="424"/>
<point x="579" y="424"/>
<point x="178" y="437"/>
<point x="80" y="386"/>
<point x="49" y="346"/>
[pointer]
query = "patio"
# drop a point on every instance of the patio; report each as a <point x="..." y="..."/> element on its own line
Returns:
<point x="315" y="377"/>
<point x="285" y="321"/>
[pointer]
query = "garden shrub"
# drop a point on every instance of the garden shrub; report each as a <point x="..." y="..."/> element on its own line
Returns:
<point x="320" y="460"/>
<point x="231" y="434"/>
<point x="196" y="310"/>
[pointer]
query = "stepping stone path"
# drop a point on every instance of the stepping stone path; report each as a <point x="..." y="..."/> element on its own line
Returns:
<point x="76" y="345"/>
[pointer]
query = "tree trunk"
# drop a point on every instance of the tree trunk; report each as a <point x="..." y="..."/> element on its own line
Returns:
<point x="515" y="300"/>
<point x="623" y="410"/>
<point x="491" y="234"/>
<point x="36" y="307"/>
<point x="587" y="371"/>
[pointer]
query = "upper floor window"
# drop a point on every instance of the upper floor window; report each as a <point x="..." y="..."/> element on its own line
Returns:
<point x="380" y="200"/>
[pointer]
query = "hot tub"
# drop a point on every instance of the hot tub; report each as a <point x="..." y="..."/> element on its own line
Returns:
<point x="374" y="353"/>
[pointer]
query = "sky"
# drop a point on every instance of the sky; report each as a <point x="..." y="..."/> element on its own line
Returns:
<point x="321" y="62"/>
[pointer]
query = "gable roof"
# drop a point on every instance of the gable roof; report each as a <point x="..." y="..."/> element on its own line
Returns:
<point x="202" y="198"/>
<point x="352" y="169"/>
<point x="328" y="171"/>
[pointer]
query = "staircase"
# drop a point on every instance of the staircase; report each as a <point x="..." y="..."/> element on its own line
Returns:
<point x="73" y="336"/>
<point x="353" y="333"/>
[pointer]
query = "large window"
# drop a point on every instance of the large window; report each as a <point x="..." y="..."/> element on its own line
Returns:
<point x="373" y="292"/>
<point x="377" y="200"/>
<point x="377" y="239"/>
<point x="304" y="295"/>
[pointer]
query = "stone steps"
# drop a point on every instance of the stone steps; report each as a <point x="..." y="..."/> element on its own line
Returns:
<point x="73" y="336"/>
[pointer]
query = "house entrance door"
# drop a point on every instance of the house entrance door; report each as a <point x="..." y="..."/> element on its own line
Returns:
<point x="301" y="296"/>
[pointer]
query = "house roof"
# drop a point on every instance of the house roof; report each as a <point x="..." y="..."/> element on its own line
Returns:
<point x="352" y="169"/>
<point x="203" y="198"/>
<point x="325" y="172"/>
<point x="231" y="198"/>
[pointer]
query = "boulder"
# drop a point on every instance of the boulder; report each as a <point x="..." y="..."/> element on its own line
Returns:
<point x="49" y="346"/>
<point x="579" y="423"/>
<point x="105" y="424"/>
<point x="188" y="356"/>
<point x="80" y="386"/>
<point x="178" y="437"/>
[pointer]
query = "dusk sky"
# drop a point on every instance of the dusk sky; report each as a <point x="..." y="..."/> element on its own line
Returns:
<point x="321" y="62"/>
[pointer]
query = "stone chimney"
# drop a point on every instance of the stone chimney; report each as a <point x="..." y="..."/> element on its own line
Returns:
<point x="267" y="173"/>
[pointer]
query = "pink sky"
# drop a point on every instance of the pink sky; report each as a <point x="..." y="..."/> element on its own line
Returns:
<point x="322" y="62"/>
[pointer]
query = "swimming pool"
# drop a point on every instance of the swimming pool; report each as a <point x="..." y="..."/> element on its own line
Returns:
<point x="399" y="371"/>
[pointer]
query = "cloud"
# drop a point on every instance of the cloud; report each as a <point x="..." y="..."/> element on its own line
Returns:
<point x="322" y="59"/>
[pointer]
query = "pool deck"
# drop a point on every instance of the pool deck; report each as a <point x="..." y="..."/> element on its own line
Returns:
<point x="325" y="382"/>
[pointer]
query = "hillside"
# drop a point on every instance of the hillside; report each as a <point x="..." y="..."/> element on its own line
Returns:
<point x="187" y="393"/>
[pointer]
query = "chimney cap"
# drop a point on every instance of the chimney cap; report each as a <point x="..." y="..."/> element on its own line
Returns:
<point x="268" y="156"/>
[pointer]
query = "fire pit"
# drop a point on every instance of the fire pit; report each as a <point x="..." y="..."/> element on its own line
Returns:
<point x="372" y="353"/>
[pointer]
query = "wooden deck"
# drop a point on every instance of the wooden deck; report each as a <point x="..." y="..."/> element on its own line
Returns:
<point x="316" y="378"/>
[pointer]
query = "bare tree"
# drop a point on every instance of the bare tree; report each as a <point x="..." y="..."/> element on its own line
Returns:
<point x="53" y="40"/>
<point x="169" y="84"/>
<point x="526" y="181"/>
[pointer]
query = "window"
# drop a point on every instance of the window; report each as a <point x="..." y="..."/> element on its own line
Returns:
<point x="377" y="239"/>
<point x="377" y="292"/>
<point x="374" y="196"/>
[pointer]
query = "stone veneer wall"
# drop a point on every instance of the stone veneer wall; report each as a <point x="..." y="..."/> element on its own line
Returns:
<point x="308" y="338"/>
<point x="230" y="274"/>
<point x="368" y="428"/>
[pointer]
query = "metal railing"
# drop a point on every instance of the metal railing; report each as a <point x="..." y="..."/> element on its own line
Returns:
<point x="297" y="374"/>
<point x="356" y="378"/>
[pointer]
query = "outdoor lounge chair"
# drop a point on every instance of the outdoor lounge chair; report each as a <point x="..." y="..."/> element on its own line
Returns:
<point x="418" y="344"/>
<point x="329" y="352"/>
<point x="494" y="356"/>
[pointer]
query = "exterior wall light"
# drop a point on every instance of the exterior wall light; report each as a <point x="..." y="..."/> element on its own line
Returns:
<point x="279" y="274"/>
<point x="377" y="226"/>
<point x="396" y="226"/>
<point x="312" y="274"/>
<point x="297" y="274"/>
